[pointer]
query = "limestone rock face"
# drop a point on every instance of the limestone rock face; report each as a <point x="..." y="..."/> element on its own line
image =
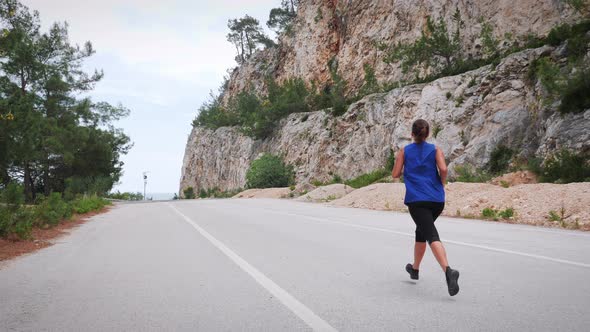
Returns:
<point x="346" y="31"/>
<point x="470" y="114"/>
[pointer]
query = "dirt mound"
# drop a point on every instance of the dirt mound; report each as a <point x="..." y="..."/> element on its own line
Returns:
<point x="516" y="178"/>
<point x="326" y="193"/>
<point x="379" y="196"/>
<point x="265" y="193"/>
<point x="561" y="205"/>
<point x="566" y="204"/>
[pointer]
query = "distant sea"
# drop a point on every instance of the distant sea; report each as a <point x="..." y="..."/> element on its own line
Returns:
<point x="160" y="196"/>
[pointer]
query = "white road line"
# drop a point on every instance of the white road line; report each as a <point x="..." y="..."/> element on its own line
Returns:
<point x="298" y="308"/>
<point x="457" y="220"/>
<point x="506" y="251"/>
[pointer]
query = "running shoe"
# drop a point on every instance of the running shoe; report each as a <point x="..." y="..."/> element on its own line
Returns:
<point x="452" y="280"/>
<point x="413" y="273"/>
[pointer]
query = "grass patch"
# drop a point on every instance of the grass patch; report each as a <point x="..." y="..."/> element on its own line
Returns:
<point x="367" y="179"/>
<point x="471" y="174"/>
<point x="489" y="213"/>
<point x="218" y="193"/>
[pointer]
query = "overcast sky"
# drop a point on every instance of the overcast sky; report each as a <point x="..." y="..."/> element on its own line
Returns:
<point x="161" y="59"/>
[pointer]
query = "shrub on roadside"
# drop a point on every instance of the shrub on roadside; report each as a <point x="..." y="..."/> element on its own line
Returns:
<point x="506" y="214"/>
<point x="269" y="171"/>
<point x="489" y="213"/>
<point x="126" y="196"/>
<point x="468" y="173"/>
<point x="367" y="179"/>
<point x="15" y="218"/>
<point x="88" y="204"/>
<point x="17" y="222"/>
<point x="565" y="167"/>
<point x="13" y="196"/>
<point x="53" y="209"/>
<point x="218" y="193"/>
<point x="500" y="159"/>
<point x="189" y="193"/>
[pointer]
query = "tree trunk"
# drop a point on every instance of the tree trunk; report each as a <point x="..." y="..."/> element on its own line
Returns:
<point x="242" y="55"/>
<point x="28" y="184"/>
<point x="248" y="44"/>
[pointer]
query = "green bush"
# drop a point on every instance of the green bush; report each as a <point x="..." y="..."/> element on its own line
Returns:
<point x="506" y="214"/>
<point x="575" y="95"/>
<point x="566" y="167"/>
<point x="371" y="84"/>
<point x="53" y="209"/>
<point x="468" y="173"/>
<point x="212" y="115"/>
<point x="13" y="196"/>
<point x="257" y="115"/>
<point x="333" y="95"/>
<point x="16" y="221"/>
<point x="559" y="34"/>
<point x="269" y="171"/>
<point x="390" y="162"/>
<point x="367" y="179"/>
<point x="218" y="193"/>
<point x="189" y="193"/>
<point x="126" y="196"/>
<point x="88" y="204"/>
<point x="489" y="213"/>
<point x="500" y="159"/>
<point x="336" y="179"/>
<point x="99" y="185"/>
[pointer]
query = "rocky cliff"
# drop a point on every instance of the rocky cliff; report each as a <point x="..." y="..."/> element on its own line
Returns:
<point x="347" y="31"/>
<point x="470" y="114"/>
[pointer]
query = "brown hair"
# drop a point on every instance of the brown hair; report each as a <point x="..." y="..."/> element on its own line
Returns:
<point x="420" y="130"/>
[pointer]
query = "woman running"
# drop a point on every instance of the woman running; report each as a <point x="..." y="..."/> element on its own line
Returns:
<point x="425" y="174"/>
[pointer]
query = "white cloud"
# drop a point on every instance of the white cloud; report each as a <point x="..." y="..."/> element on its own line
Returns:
<point x="160" y="59"/>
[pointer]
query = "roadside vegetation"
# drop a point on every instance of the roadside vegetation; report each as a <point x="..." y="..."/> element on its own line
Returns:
<point x="489" y="213"/>
<point x="18" y="219"/>
<point x="125" y="196"/>
<point x="379" y="175"/>
<point x="269" y="171"/>
<point x="53" y="140"/>
<point x="563" y="166"/>
<point x="59" y="151"/>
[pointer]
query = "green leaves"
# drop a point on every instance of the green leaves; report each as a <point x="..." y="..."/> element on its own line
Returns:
<point x="281" y="19"/>
<point x="257" y="116"/>
<point x="246" y="34"/>
<point x="436" y="49"/>
<point x="53" y="136"/>
<point x="269" y="171"/>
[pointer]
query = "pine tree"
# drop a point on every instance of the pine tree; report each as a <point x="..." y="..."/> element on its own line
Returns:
<point x="53" y="137"/>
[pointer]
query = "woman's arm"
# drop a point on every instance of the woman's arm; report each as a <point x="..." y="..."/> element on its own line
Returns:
<point x="442" y="165"/>
<point x="399" y="164"/>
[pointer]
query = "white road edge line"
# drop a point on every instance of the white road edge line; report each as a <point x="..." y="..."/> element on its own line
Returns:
<point x="506" y="251"/>
<point x="298" y="308"/>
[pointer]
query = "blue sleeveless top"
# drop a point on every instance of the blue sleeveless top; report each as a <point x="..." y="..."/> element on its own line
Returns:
<point x="423" y="183"/>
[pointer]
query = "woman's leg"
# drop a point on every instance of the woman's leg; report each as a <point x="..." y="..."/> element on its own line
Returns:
<point x="420" y="244"/>
<point x="424" y="214"/>
<point x="440" y="254"/>
<point x="438" y="250"/>
<point x="419" y="250"/>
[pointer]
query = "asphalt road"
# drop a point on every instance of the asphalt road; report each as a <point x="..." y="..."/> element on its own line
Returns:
<point x="274" y="265"/>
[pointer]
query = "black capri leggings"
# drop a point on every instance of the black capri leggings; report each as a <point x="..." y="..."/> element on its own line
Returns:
<point x="424" y="215"/>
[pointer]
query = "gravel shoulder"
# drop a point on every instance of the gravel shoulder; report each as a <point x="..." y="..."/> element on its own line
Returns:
<point x="542" y="204"/>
